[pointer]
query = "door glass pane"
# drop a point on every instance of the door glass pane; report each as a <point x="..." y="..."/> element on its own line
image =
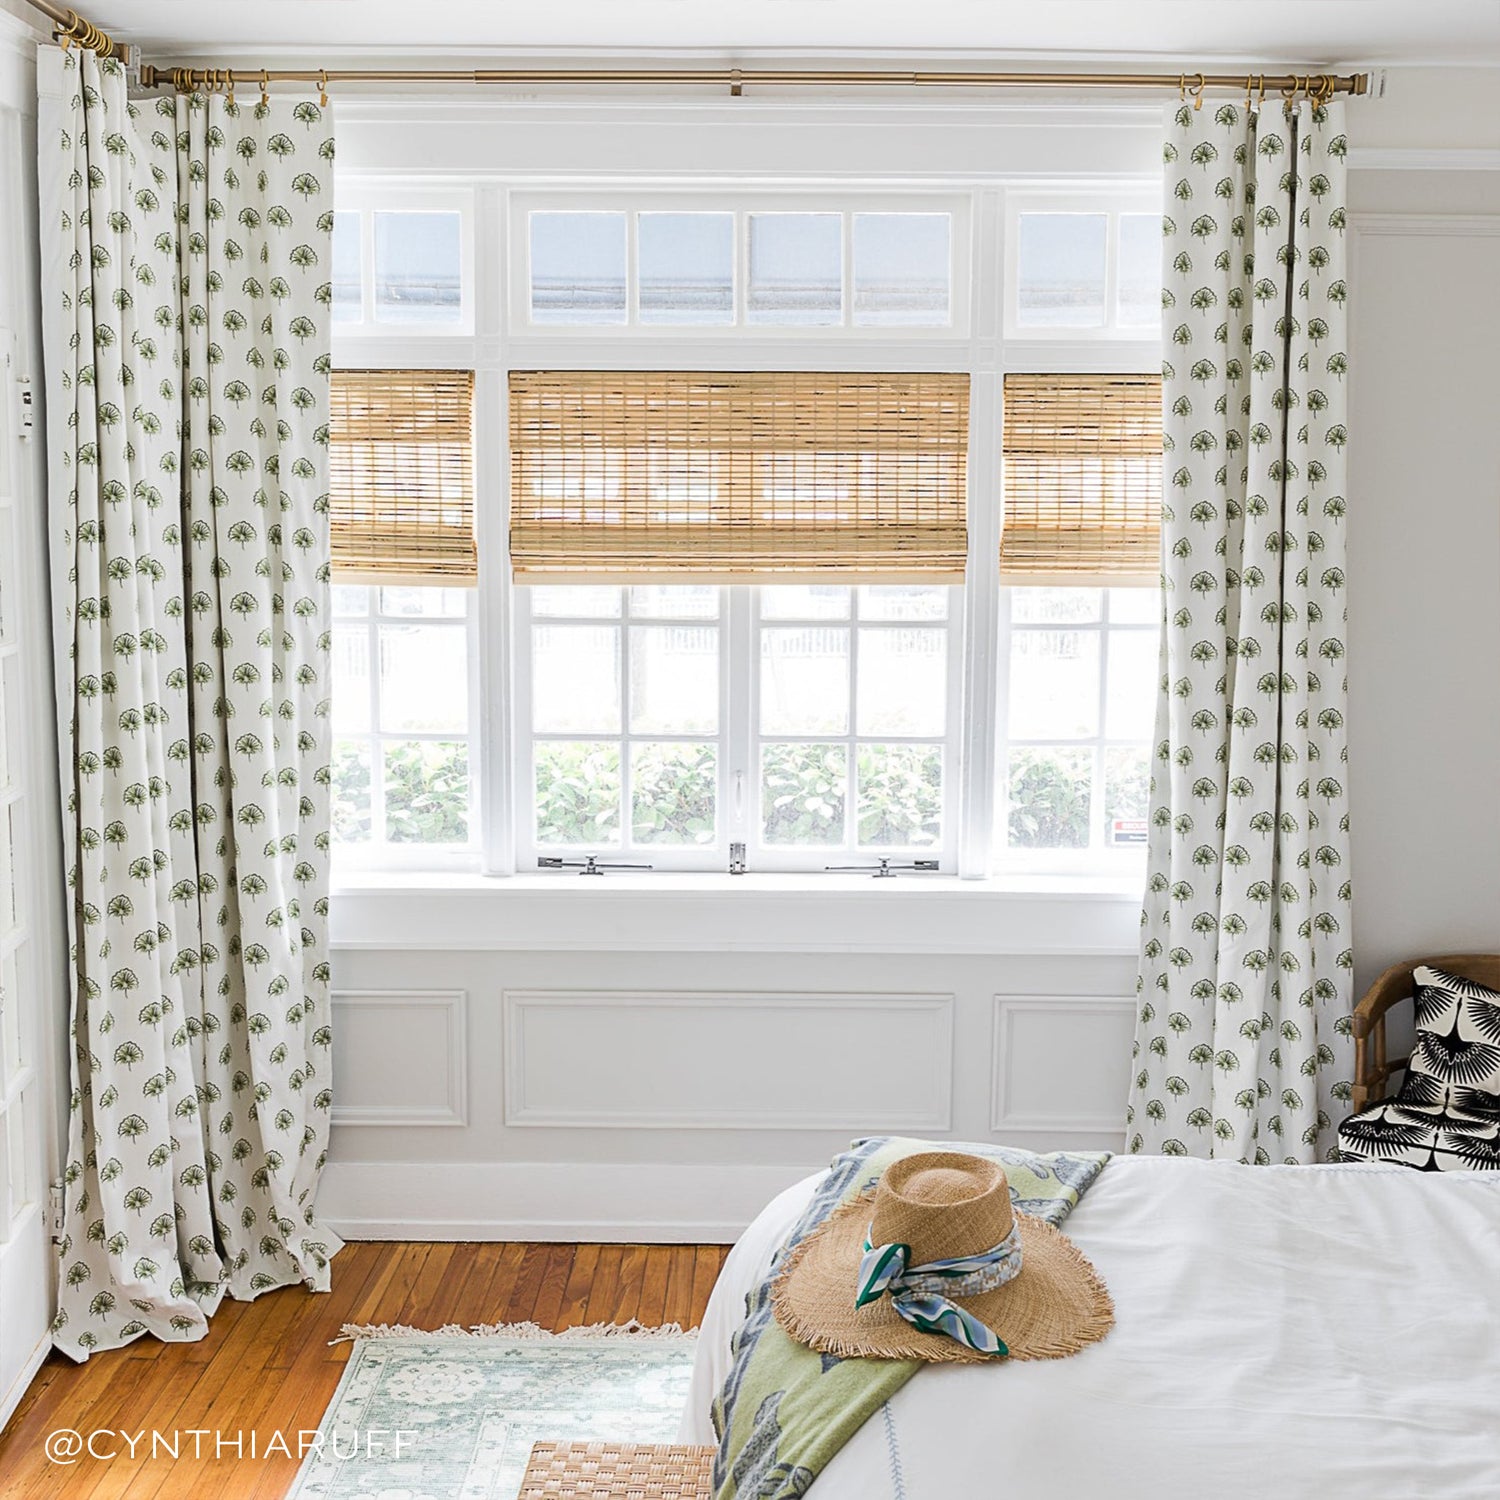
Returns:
<point x="1054" y="684"/>
<point x="575" y="679"/>
<point x="578" y="268"/>
<point x="1060" y="279"/>
<point x="1138" y="271"/>
<point x="418" y="269"/>
<point x="674" y="679"/>
<point x="900" y="795"/>
<point x="424" y="679"/>
<point x="1130" y="693"/>
<point x="426" y="791"/>
<point x="346" y="269"/>
<point x="804" y="680"/>
<point x="802" y="792"/>
<point x="901" y="269"/>
<point x="674" y="789"/>
<point x="351" y="791"/>
<point x="577" y="793"/>
<point x="1049" y="793"/>
<point x="903" y="680"/>
<point x="796" y="269"/>
<point x="685" y="267"/>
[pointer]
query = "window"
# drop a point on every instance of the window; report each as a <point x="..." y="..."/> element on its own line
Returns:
<point x="676" y="525"/>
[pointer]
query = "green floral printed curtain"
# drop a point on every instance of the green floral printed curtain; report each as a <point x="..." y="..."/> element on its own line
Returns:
<point x="1242" y="1042"/>
<point x="186" y="265"/>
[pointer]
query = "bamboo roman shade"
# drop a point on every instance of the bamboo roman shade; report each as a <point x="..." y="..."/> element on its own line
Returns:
<point x="1082" y="479"/>
<point x="799" y="475"/>
<point x="401" y="474"/>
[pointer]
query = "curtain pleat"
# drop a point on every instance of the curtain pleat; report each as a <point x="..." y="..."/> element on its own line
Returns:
<point x="1242" y="1041"/>
<point x="186" y="331"/>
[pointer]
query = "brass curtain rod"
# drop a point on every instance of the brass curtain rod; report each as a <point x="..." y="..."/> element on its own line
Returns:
<point x="69" y="26"/>
<point x="1188" y="85"/>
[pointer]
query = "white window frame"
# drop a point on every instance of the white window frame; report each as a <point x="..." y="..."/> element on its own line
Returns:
<point x="742" y="203"/>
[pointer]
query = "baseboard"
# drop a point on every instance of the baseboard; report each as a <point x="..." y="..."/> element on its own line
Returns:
<point x="22" y="1383"/>
<point x="652" y="1203"/>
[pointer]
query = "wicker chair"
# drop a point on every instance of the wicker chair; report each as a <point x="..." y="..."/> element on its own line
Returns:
<point x="1372" y="1068"/>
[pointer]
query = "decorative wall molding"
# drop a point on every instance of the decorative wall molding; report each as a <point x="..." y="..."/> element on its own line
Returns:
<point x="711" y="1060"/>
<point x="1464" y="226"/>
<point x="1420" y="159"/>
<point x="1014" y="1054"/>
<point x="431" y="1009"/>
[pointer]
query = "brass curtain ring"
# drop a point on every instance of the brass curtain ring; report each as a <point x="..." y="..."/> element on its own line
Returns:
<point x="230" y="73"/>
<point x="265" y="98"/>
<point x="1197" y="92"/>
<point x="323" y="87"/>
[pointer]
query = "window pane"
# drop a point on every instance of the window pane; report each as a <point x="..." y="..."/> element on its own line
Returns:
<point x="900" y="795"/>
<point x="903" y="601"/>
<point x="427" y="792"/>
<point x="433" y="603"/>
<point x="351" y="679"/>
<point x="575" y="679"/>
<point x="577" y="793"/>
<point x="424" y="678"/>
<point x="796" y="269"/>
<point x="1130" y="692"/>
<point x="349" y="600"/>
<point x="901" y="270"/>
<point x="1054" y="684"/>
<point x="1136" y="606"/>
<point x="346" y="269"/>
<point x="673" y="793"/>
<point x="802" y="791"/>
<point x="351" y="792"/>
<point x="577" y="268"/>
<point x="1054" y="606"/>
<point x="903" y="682"/>
<point x="694" y="601"/>
<point x="576" y="600"/>
<point x="1138" y="271"/>
<point x="1060" y="279"/>
<point x="674" y="679"/>
<point x="804" y="601"/>
<point x="418" y="277"/>
<point x="804" y="681"/>
<point x="686" y="268"/>
<point x="1050" y="788"/>
<point x="1127" y="780"/>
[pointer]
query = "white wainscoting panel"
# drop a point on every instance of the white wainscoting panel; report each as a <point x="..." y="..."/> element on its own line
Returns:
<point x="400" y="1057"/>
<point x="1061" y="1063"/>
<point x="727" y="1061"/>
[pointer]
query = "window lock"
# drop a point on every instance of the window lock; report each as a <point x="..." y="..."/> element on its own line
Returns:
<point x="885" y="870"/>
<point x="588" y="865"/>
<point x="737" y="865"/>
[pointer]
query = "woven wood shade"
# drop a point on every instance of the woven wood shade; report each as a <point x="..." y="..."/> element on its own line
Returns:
<point x="618" y="475"/>
<point x="401" y="474"/>
<point x="1082" y="479"/>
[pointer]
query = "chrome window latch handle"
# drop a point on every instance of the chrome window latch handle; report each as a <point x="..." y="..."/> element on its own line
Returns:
<point x="737" y="865"/>
<point x="588" y="865"/>
<point x="886" y="869"/>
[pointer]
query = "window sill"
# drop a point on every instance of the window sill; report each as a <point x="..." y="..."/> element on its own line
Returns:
<point x="1084" y="916"/>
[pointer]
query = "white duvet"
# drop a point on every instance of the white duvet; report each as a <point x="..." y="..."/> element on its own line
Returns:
<point x="1282" y="1333"/>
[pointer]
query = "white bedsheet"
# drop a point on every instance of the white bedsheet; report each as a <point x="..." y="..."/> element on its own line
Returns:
<point x="1281" y="1333"/>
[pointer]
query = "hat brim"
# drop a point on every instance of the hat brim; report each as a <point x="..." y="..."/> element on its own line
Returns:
<point x="1054" y="1307"/>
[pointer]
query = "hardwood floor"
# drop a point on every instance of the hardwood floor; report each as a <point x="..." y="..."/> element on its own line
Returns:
<point x="267" y="1366"/>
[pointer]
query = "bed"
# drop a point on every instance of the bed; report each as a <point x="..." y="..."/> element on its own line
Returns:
<point x="1286" y="1332"/>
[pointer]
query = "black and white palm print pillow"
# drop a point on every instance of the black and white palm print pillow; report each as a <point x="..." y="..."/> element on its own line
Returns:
<point x="1447" y="1114"/>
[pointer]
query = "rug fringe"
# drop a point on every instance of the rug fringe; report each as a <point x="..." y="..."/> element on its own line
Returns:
<point x="350" y="1332"/>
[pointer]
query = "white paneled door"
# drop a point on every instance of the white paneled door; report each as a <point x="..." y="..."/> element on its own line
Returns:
<point x="25" y="1300"/>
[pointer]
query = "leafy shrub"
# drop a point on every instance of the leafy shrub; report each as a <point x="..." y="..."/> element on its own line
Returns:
<point x="427" y="792"/>
<point x="577" y="792"/>
<point x="1049" y="798"/>
<point x="803" y="788"/>
<point x="900" y="795"/>
<point x="674" y="793"/>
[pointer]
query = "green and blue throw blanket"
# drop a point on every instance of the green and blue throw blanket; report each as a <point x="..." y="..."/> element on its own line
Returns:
<point x="785" y="1409"/>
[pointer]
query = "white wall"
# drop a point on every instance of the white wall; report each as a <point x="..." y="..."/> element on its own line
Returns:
<point x="612" y="1060"/>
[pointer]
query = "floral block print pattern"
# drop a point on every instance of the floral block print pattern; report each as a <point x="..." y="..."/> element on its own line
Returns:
<point x="1447" y="1114"/>
<point x="1242" y="1042"/>
<point x="187" y="293"/>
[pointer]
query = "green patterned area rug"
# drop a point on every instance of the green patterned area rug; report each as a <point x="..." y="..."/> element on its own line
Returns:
<point x="452" y="1414"/>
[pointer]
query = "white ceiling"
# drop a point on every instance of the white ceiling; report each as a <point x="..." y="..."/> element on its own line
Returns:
<point x="1201" y="31"/>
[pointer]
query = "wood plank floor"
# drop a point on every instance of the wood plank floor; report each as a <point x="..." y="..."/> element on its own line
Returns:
<point x="267" y="1365"/>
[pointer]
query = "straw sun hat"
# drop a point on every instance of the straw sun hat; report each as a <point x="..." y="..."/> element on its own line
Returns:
<point x="935" y="1265"/>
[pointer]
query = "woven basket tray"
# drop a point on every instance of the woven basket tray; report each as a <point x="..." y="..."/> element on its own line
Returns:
<point x="618" y="1471"/>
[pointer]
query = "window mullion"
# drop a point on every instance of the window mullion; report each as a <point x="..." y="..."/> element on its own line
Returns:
<point x="737" y="790"/>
